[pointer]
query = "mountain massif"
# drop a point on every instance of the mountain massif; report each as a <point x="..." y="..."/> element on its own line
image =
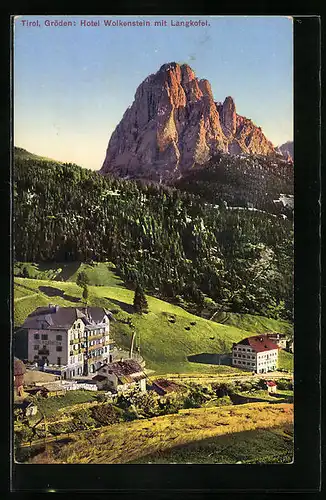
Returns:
<point x="173" y="124"/>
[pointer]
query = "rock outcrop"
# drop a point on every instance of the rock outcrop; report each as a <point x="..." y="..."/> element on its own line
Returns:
<point x="287" y="150"/>
<point x="173" y="124"/>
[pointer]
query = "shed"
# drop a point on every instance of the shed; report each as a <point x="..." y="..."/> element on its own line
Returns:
<point x="164" y="386"/>
<point x="271" y="386"/>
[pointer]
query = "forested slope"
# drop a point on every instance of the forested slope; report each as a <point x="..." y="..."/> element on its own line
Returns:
<point x="174" y="244"/>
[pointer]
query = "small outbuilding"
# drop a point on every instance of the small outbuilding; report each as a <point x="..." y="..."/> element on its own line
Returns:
<point x="120" y="376"/>
<point x="163" y="387"/>
<point x="271" y="386"/>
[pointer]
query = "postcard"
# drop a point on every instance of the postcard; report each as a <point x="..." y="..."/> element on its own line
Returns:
<point x="153" y="211"/>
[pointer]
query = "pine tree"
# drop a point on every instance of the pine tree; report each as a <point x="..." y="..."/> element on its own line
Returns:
<point x="85" y="293"/>
<point x="82" y="279"/>
<point x="140" y="301"/>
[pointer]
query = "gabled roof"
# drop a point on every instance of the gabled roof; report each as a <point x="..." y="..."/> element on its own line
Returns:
<point x="166" y="385"/>
<point x="64" y="317"/>
<point x="259" y="343"/>
<point x="127" y="367"/>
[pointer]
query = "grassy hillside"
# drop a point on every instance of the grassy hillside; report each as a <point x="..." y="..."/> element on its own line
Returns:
<point x="255" y="324"/>
<point x="99" y="274"/>
<point x="164" y="345"/>
<point x="167" y="335"/>
<point x="249" y="447"/>
<point x="130" y="442"/>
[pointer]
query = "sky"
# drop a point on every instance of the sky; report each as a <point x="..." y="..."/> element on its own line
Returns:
<point x="72" y="84"/>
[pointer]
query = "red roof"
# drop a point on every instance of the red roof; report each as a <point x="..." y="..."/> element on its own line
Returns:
<point x="271" y="383"/>
<point x="166" y="385"/>
<point x="259" y="343"/>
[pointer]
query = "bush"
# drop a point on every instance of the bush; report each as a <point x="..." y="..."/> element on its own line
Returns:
<point x="171" y="404"/>
<point x="196" y="397"/>
<point x="83" y="419"/>
<point x="130" y="414"/>
<point x="61" y="428"/>
<point x="285" y="385"/>
<point x="101" y="398"/>
<point x="106" y="414"/>
<point x="147" y="404"/>
<point x="25" y="434"/>
<point x="244" y="386"/>
<point x="223" y="401"/>
<point x="221" y="390"/>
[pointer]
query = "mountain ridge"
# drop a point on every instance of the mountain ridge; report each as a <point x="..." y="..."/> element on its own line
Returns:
<point x="174" y="123"/>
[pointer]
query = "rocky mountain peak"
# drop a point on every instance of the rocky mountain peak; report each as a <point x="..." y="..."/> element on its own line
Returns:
<point x="174" y="123"/>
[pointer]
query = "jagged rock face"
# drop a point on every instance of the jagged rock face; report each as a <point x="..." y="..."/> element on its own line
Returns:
<point x="287" y="150"/>
<point x="175" y="123"/>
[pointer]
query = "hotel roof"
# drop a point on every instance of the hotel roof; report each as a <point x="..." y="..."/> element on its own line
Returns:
<point x="63" y="317"/>
<point x="259" y="343"/>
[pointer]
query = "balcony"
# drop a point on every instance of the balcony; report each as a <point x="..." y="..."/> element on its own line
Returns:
<point x="110" y="341"/>
<point x="74" y="341"/>
<point x="96" y="337"/>
<point x="96" y="346"/>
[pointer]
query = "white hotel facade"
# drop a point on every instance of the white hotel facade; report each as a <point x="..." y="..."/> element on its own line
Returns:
<point x="258" y="354"/>
<point x="72" y="341"/>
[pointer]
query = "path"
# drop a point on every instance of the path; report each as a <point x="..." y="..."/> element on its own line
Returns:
<point x="26" y="297"/>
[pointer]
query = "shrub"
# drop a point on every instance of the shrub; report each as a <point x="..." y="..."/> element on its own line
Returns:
<point x="223" y="401"/>
<point x="130" y="413"/>
<point x="245" y="386"/>
<point x="106" y="414"/>
<point x="83" y="419"/>
<point x="61" y="428"/>
<point x="101" y="398"/>
<point x="171" y="404"/>
<point x="24" y="434"/>
<point x="147" y="404"/>
<point x="196" y="398"/>
<point x="284" y="385"/>
<point x="221" y="390"/>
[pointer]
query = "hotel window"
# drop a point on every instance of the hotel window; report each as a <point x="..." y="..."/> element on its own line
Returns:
<point x="59" y="337"/>
<point x="44" y="336"/>
<point x="36" y="336"/>
<point x="36" y="347"/>
<point x="36" y="356"/>
<point x="59" y="348"/>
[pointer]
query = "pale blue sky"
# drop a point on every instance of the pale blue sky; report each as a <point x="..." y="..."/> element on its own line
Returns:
<point x="73" y="84"/>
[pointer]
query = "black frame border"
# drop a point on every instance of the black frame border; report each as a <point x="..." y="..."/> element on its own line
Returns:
<point x="304" y="475"/>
